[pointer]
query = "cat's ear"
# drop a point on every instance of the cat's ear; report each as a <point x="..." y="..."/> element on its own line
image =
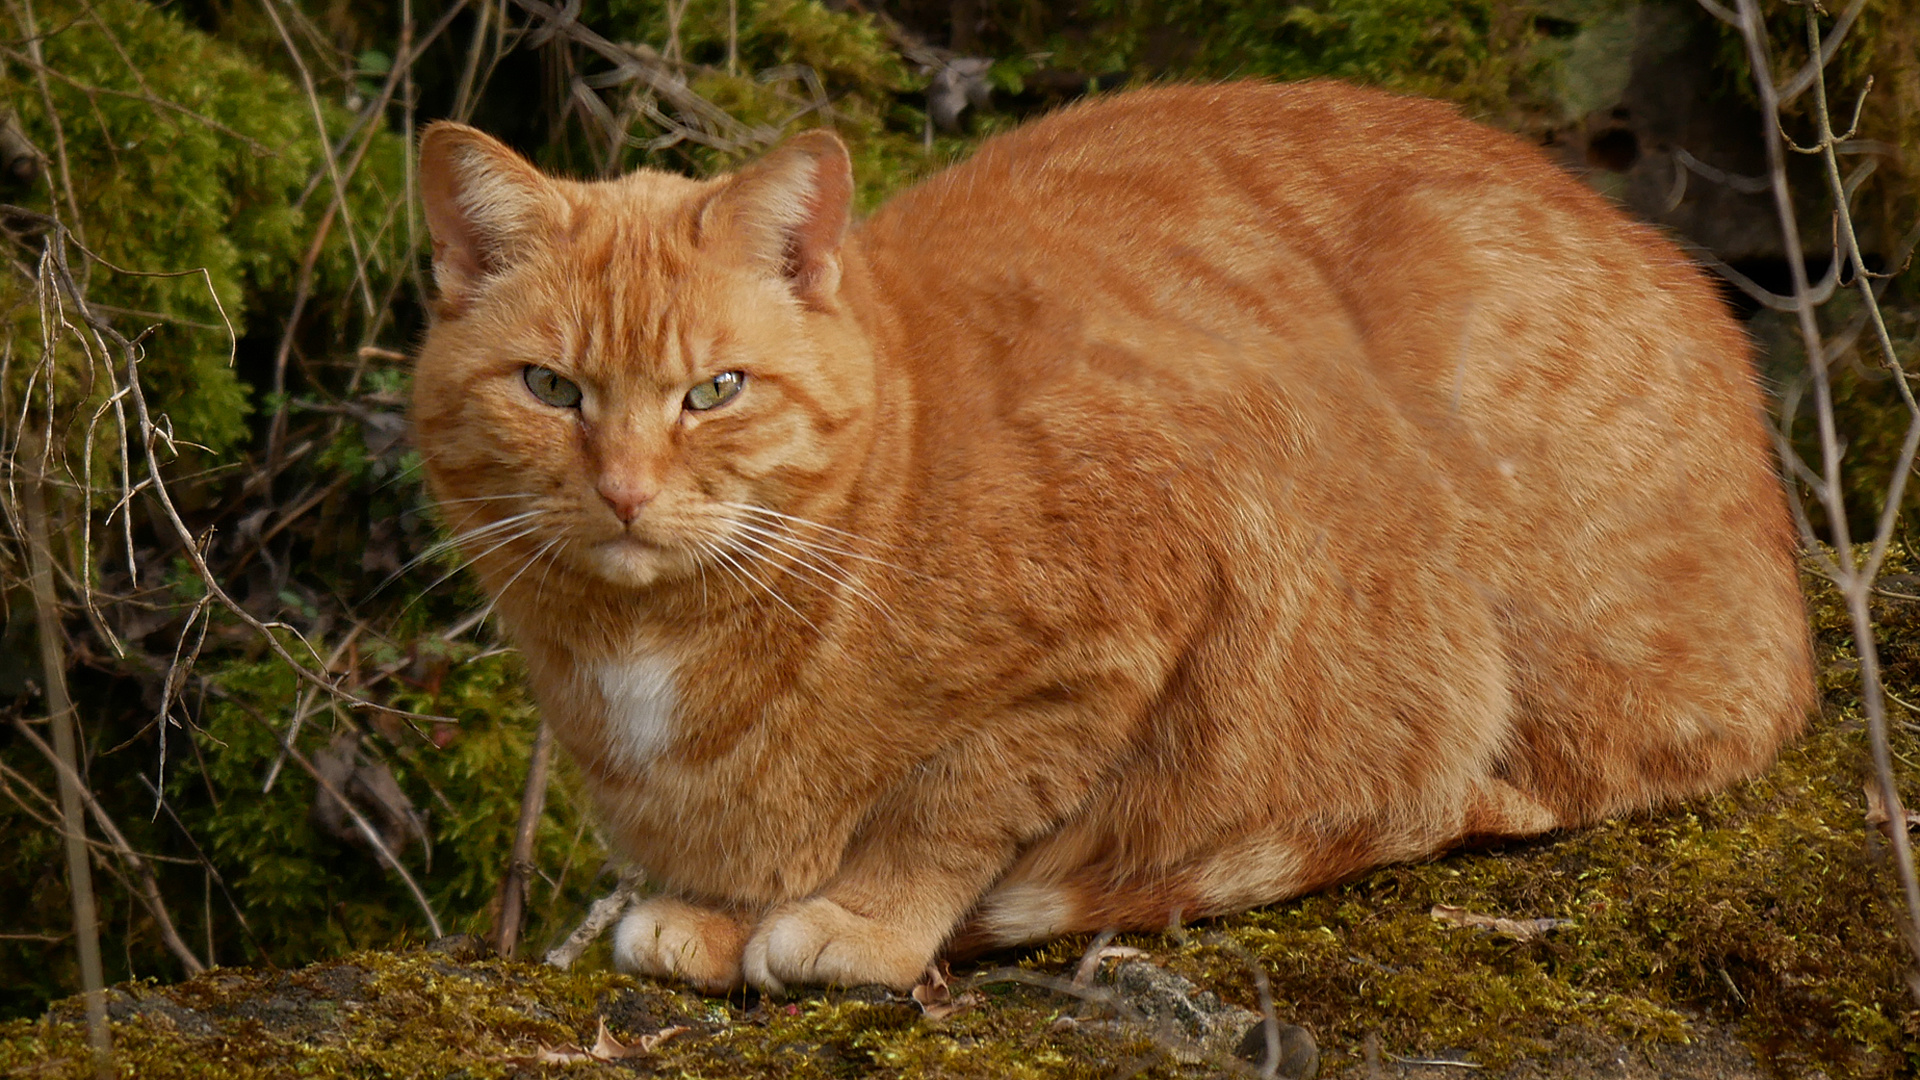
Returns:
<point x="787" y="215"/>
<point x="483" y="201"/>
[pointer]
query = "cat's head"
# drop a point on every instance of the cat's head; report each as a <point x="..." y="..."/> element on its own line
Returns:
<point x="626" y="379"/>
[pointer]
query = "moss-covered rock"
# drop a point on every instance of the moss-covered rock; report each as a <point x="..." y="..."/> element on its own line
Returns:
<point x="1758" y="921"/>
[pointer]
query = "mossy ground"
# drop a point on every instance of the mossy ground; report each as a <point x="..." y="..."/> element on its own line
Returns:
<point x="1766" y="911"/>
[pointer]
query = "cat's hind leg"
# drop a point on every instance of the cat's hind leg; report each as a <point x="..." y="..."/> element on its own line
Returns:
<point x="1266" y="862"/>
<point x="671" y="938"/>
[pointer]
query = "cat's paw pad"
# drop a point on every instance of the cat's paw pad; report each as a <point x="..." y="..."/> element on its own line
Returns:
<point x="818" y="941"/>
<point x="674" y="939"/>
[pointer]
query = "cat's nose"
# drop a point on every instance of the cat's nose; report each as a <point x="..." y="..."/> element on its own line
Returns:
<point x="626" y="500"/>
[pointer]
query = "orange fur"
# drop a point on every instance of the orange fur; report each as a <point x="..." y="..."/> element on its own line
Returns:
<point x="1199" y="496"/>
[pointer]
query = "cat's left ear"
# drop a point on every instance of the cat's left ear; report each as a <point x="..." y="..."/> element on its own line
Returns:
<point x="787" y="215"/>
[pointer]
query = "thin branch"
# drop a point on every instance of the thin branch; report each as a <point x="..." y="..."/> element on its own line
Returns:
<point x="1854" y="580"/>
<point x="1820" y="57"/>
<point x="151" y="436"/>
<point x="28" y="61"/>
<point x="23" y="14"/>
<point x="533" y="801"/>
<point x="149" y="891"/>
<point x="326" y="150"/>
<point x="367" y="832"/>
<point x="53" y="667"/>
<point x="699" y="121"/>
<point x="603" y="913"/>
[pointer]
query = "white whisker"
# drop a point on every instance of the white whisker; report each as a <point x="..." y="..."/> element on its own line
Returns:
<point x="531" y="563"/>
<point x="484" y="498"/>
<point x="487" y="613"/>
<point x="787" y="521"/>
<point x="792" y="519"/>
<point x="551" y="563"/>
<point x="831" y="573"/>
<point x="442" y="580"/>
<point x="713" y="551"/>
<point x="728" y="549"/>
<point x="441" y="547"/>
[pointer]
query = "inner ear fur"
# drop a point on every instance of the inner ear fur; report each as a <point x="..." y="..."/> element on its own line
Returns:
<point x="787" y="213"/>
<point x="483" y="201"/>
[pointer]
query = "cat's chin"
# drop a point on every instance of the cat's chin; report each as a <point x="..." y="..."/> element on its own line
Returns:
<point x="632" y="564"/>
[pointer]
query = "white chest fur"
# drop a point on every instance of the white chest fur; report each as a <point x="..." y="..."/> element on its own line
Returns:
<point x="641" y="702"/>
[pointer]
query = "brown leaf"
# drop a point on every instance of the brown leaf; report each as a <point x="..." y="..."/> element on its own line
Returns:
<point x="936" y="999"/>
<point x="1517" y="929"/>
<point x="608" y="1048"/>
<point x="1877" y="811"/>
<point x="605" y="1047"/>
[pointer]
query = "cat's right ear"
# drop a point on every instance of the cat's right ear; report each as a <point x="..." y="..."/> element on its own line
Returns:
<point x="483" y="201"/>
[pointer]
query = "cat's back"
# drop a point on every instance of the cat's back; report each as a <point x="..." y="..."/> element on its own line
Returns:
<point x="1323" y="234"/>
<point x="1180" y="176"/>
<point x="1325" y="216"/>
<point x="1413" y="339"/>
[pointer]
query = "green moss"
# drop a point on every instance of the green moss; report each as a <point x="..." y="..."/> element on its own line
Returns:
<point x="185" y="156"/>
<point x="369" y="1014"/>
<point x="314" y="895"/>
<point x="433" y="1014"/>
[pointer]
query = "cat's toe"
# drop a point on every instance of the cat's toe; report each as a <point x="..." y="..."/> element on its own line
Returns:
<point x="674" y="939"/>
<point x="818" y="941"/>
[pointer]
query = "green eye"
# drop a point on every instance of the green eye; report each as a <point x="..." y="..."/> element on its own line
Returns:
<point x="716" y="391"/>
<point x="547" y="385"/>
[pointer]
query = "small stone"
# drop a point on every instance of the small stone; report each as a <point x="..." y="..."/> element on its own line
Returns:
<point x="1299" y="1054"/>
<point x="461" y="948"/>
<point x="1170" y="1002"/>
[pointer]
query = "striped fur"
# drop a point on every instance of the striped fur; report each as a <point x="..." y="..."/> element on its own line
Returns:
<point x="1197" y="497"/>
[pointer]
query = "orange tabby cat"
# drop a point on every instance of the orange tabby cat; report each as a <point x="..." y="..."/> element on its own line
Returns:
<point x="1197" y="497"/>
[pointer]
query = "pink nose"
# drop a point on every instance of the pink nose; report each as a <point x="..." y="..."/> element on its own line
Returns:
<point x="625" y="500"/>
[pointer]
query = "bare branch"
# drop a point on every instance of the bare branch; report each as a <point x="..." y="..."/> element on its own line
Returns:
<point x="513" y="888"/>
<point x="367" y="832"/>
<point x="1820" y="57"/>
<point x="1854" y="576"/>
<point x="604" y="913"/>
<point x="53" y="666"/>
<point x="326" y="150"/>
<point x="149" y="891"/>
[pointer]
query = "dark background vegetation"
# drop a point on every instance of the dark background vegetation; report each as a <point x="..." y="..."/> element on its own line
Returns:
<point x="272" y="159"/>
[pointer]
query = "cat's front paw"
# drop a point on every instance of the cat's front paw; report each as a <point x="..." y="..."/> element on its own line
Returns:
<point x="674" y="939"/>
<point x="818" y="941"/>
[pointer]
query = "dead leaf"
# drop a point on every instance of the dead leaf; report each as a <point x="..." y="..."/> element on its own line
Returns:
<point x="369" y="785"/>
<point x="605" y="1047"/>
<point x="936" y="998"/>
<point x="1517" y="929"/>
<point x="1090" y="963"/>
<point x="1877" y="811"/>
